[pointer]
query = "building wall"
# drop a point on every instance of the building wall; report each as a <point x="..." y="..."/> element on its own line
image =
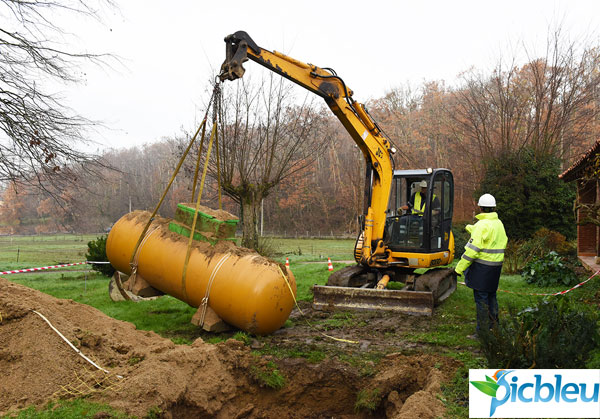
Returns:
<point x="587" y="235"/>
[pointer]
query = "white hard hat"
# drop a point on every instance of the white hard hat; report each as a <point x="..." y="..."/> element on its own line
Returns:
<point x="486" y="200"/>
<point x="423" y="184"/>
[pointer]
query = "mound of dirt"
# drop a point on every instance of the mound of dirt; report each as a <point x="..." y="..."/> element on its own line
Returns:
<point x="147" y="371"/>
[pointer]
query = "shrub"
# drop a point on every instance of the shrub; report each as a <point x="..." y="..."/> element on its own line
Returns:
<point x="529" y="193"/>
<point x="97" y="253"/>
<point x="553" y="241"/>
<point x="551" y="269"/>
<point x="266" y="247"/>
<point x="461" y="237"/>
<point x="555" y="333"/>
<point x="521" y="252"/>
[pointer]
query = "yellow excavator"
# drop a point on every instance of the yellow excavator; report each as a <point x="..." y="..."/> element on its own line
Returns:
<point x="405" y="229"/>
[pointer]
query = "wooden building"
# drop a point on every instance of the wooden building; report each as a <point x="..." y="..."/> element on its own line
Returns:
<point x="588" y="235"/>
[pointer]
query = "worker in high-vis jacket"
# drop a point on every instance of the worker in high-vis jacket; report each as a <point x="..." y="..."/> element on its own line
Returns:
<point x="481" y="263"/>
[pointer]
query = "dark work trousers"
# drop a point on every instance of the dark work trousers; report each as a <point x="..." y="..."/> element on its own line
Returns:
<point x="487" y="309"/>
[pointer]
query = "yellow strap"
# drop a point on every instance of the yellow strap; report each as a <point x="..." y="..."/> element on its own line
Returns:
<point x="303" y="316"/>
<point x="209" y="286"/>
<point x="193" y="228"/>
<point x="198" y="162"/>
<point x="131" y="261"/>
<point x="218" y="167"/>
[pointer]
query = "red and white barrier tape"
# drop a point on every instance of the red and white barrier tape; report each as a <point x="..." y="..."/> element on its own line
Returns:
<point x="43" y="268"/>
<point x="551" y="294"/>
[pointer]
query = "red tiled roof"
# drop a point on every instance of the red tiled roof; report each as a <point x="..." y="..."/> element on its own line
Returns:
<point x="574" y="171"/>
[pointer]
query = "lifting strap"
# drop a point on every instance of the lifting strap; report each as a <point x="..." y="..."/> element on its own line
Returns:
<point x="215" y="96"/>
<point x="193" y="227"/>
<point x="213" y="139"/>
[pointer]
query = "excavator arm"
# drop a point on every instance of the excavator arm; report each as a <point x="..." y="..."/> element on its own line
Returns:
<point x="376" y="149"/>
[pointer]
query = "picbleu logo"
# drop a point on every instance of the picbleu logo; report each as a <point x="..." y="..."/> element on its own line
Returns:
<point x="541" y="388"/>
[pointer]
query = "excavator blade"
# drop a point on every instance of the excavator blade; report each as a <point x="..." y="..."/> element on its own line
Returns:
<point x="408" y="302"/>
<point x="430" y="289"/>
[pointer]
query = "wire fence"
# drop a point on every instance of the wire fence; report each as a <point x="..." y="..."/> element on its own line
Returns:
<point x="59" y="248"/>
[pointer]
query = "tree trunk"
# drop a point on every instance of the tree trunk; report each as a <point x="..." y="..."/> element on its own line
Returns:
<point x="251" y="217"/>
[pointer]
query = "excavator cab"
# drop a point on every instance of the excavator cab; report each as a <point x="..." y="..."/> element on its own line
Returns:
<point x="419" y="218"/>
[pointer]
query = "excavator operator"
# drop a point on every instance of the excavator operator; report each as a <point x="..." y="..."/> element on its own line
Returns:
<point x="418" y="200"/>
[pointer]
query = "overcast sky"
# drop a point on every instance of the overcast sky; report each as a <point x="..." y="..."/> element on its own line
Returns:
<point x="170" y="49"/>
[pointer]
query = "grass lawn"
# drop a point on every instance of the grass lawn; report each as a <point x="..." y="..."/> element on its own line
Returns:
<point x="18" y="252"/>
<point x="446" y="332"/>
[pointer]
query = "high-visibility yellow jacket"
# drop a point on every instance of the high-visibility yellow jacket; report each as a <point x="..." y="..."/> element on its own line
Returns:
<point x="418" y="205"/>
<point x="484" y="253"/>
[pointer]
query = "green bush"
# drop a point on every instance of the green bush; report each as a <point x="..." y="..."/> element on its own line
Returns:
<point x="461" y="237"/>
<point x="555" y="333"/>
<point x="521" y="252"/>
<point x="529" y="193"/>
<point x="551" y="269"/>
<point x="267" y="248"/>
<point x="97" y="253"/>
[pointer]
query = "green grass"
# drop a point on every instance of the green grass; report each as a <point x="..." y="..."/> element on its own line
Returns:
<point x="17" y="252"/>
<point x="68" y="409"/>
<point x="365" y="363"/>
<point x="454" y="320"/>
<point x="298" y="250"/>
<point x="307" y="275"/>
<point x="367" y="400"/>
<point x="339" y="319"/>
<point x="268" y="375"/>
<point x="311" y="353"/>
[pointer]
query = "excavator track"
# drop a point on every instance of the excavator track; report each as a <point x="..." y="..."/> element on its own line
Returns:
<point x="349" y="289"/>
<point x="350" y="276"/>
<point x="441" y="282"/>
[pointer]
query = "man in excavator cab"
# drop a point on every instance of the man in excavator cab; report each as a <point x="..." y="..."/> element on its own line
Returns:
<point x="418" y="201"/>
<point x="415" y="208"/>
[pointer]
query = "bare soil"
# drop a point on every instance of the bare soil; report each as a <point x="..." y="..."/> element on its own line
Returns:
<point x="148" y="372"/>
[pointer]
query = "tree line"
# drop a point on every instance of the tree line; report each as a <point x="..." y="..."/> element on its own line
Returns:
<point x="288" y="166"/>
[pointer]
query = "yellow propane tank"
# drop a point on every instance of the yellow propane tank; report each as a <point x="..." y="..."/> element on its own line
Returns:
<point x="243" y="288"/>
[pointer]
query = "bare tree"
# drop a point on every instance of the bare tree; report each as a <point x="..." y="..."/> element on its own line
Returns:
<point x="546" y="105"/>
<point x="39" y="135"/>
<point x="264" y="138"/>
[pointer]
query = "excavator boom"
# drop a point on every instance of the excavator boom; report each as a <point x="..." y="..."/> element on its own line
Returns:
<point x="364" y="131"/>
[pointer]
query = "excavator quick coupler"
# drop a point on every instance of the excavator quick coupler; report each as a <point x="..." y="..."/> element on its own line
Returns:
<point x="236" y="53"/>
